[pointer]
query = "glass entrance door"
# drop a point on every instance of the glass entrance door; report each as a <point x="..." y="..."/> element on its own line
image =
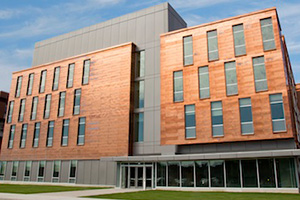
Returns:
<point x="133" y="176"/>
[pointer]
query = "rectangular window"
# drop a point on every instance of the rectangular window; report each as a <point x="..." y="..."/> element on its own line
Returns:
<point x="233" y="178"/>
<point x="204" y="82"/>
<point x="217" y="173"/>
<point x="34" y="106"/>
<point x="70" y="75"/>
<point x="10" y="111"/>
<point x="173" y="174"/>
<point x="249" y="172"/>
<point x="267" y="34"/>
<point x="23" y="136"/>
<point x="14" y="170"/>
<point x="239" y="40"/>
<point x="41" y="171"/>
<point x="139" y="127"/>
<point x="187" y="174"/>
<point x="212" y="43"/>
<point x="81" y="131"/>
<point x="36" y="134"/>
<point x="188" y="50"/>
<point x="86" y="72"/>
<point x="246" y="116"/>
<point x="190" y="121"/>
<point x="77" y="97"/>
<point x="161" y="174"/>
<point x="22" y="110"/>
<point x="231" y="80"/>
<point x="30" y="83"/>
<point x="27" y="171"/>
<point x="139" y="94"/>
<point x="140" y="64"/>
<point x="50" y="134"/>
<point x="178" y="86"/>
<point x="56" y="78"/>
<point x="266" y="173"/>
<point x="202" y="176"/>
<point x="277" y="111"/>
<point x="47" y="106"/>
<point x="260" y="76"/>
<point x="56" y="171"/>
<point x="2" y="170"/>
<point x="285" y="168"/>
<point x="65" y="132"/>
<point x="72" y="174"/>
<point x="217" y="118"/>
<point x="18" y="86"/>
<point x="61" y="104"/>
<point x="11" y="136"/>
<point x="43" y="81"/>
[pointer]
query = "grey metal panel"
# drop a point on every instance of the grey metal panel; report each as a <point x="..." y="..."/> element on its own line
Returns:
<point x="92" y="41"/>
<point x="111" y="173"/>
<point x="115" y="34"/>
<point x="149" y="61"/>
<point x="157" y="90"/>
<point x="58" y="51"/>
<point x="8" y="170"/>
<point x="102" y="173"/>
<point x="150" y="28"/>
<point x="149" y="126"/>
<point x="48" y="171"/>
<point x="140" y="30"/>
<point x="20" y="173"/>
<point x="34" y="171"/>
<point x="85" y="42"/>
<point x="95" y="172"/>
<point x="149" y="93"/>
<point x="157" y="60"/>
<point x="64" y="171"/>
<point x="80" y="172"/>
<point x="71" y="48"/>
<point x="106" y="36"/>
<point x="65" y="45"/>
<point x="131" y="33"/>
<point x="123" y="32"/>
<point x="87" y="172"/>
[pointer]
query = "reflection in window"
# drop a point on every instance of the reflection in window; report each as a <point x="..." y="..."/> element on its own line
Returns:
<point x="217" y="173"/>
<point x="187" y="50"/>
<point x="178" y="86"/>
<point x="231" y="80"/>
<point x="173" y="174"/>
<point x="204" y="82"/>
<point x="233" y="178"/>
<point x="267" y="34"/>
<point x="187" y="174"/>
<point x="246" y="116"/>
<point x="190" y="121"/>
<point x="260" y="76"/>
<point x="277" y="111"/>
<point x="285" y="168"/>
<point x="266" y="173"/>
<point x="239" y="40"/>
<point x="217" y="118"/>
<point x="212" y="42"/>
<point x="249" y="171"/>
<point x="202" y="179"/>
<point x="161" y="173"/>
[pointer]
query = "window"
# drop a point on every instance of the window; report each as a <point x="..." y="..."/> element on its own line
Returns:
<point x="285" y="168"/>
<point x="41" y="171"/>
<point x="72" y="174"/>
<point x="11" y="136"/>
<point x="23" y="136"/>
<point x="56" y="171"/>
<point x="173" y="174"/>
<point x="239" y="40"/>
<point x="140" y="64"/>
<point x="10" y="111"/>
<point x="43" y="81"/>
<point x="260" y="76"/>
<point x="178" y="86"/>
<point x="277" y="111"/>
<point x="267" y="34"/>
<point x="30" y="84"/>
<point x="139" y="94"/>
<point x="233" y="178"/>
<point x="187" y="174"/>
<point x="217" y="118"/>
<point x="2" y="170"/>
<point x="246" y="116"/>
<point x="50" y="134"/>
<point x="81" y="131"/>
<point x="27" y="171"/>
<point x="266" y="172"/>
<point x="61" y="104"/>
<point x="202" y="177"/>
<point x="65" y="132"/>
<point x="231" y="80"/>
<point x="212" y="43"/>
<point x="217" y="173"/>
<point x="22" y="110"/>
<point x="187" y="50"/>
<point x="47" y="106"/>
<point x="161" y="174"/>
<point x="77" y="97"/>
<point x="190" y="121"/>
<point x="14" y="170"/>
<point x="249" y="172"/>
<point x="86" y="72"/>
<point x="34" y="108"/>
<point x="70" y="75"/>
<point x="18" y="86"/>
<point x="139" y="127"/>
<point x="36" y="134"/>
<point x="56" y="78"/>
<point x="204" y="82"/>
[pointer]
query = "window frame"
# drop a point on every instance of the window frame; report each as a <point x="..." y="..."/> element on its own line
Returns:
<point x="86" y="75"/>
<point x="236" y="77"/>
<point x="47" y="116"/>
<point x="10" y="112"/>
<point x="61" y="106"/>
<point x="212" y="125"/>
<point x="32" y="108"/>
<point x="30" y="84"/>
<point x="36" y="140"/>
<point x="185" y="122"/>
<point x="74" y="101"/>
<point x="234" y="46"/>
<point x="174" y="86"/>
<point x="11" y="137"/>
<point x="18" y="86"/>
<point x="208" y="45"/>
<point x="78" y="131"/>
<point x="41" y="87"/>
<point x="283" y="111"/>
<point x="48" y="131"/>
<point x="68" y="76"/>
<point x="71" y="179"/>
<point x="22" y="110"/>
<point x="62" y="133"/>
<point x="184" y="54"/>
<point x="241" y="123"/>
<point x="56" y="76"/>
<point x="262" y="37"/>
<point x="23" y="136"/>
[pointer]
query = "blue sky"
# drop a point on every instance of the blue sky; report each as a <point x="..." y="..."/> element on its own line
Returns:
<point x="22" y="23"/>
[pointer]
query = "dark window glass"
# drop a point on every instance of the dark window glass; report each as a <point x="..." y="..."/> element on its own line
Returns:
<point x="56" y="169"/>
<point x="30" y="84"/>
<point x="18" y="86"/>
<point x="161" y="173"/>
<point x="231" y="80"/>
<point x="217" y="118"/>
<point x="212" y="43"/>
<point x="139" y="127"/>
<point x="22" y="110"/>
<point x="249" y="172"/>
<point x="2" y="169"/>
<point x="56" y="78"/>
<point x="139" y="94"/>
<point x="233" y="178"/>
<point x="217" y="173"/>
<point x="61" y="104"/>
<point x="204" y="82"/>
<point x="277" y="111"/>
<point x="65" y="132"/>
<point x="23" y="136"/>
<point x="14" y="170"/>
<point x="178" y="86"/>
<point x="260" y="76"/>
<point x="73" y="166"/>
<point x="187" y="174"/>
<point x="11" y="136"/>
<point x="239" y="40"/>
<point x="246" y="116"/>
<point x="190" y="121"/>
<point x="81" y="131"/>
<point x="286" y="176"/>
<point x="34" y="108"/>
<point x="43" y="81"/>
<point x="27" y="168"/>
<point x="77" y="97"/>
<point x="86" y="72"/>
<point x="10" y="111"/>
<point x="266" y="173"/>
<point x="50" y="134"/>
<point x="70" y="75"/>
<point x="140" y="64"/>
<point x="41" y="171"/>
<point x="202" y="179"/>
<point x="173" y="174"/>
<point x="267" y="34"/>
<point x="47" y="106"/>
<point x="188" y="50"/>
<point x="36" y="134"/>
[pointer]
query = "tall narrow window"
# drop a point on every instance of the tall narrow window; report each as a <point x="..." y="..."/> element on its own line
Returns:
<point x="56" y="171"/>
<point x="41" y="171"/>
<point x="23" y="136"/>
<point x="217" y="118"/>
<point x="43" y="81"/>
<point x="70" y="75"/>
<point x="178" y="86"/>
<point x="278" y="119"/>
<point x="10" y="111"/>
<point x="139" y="127"/>
<point x="61" y="104"/>
<point x="81" y="131"/>
<point x="139" y="94"/>
<point x="2" y="169"/>
<point x="72" y="174"/>
<point x="239" y="40"/>
<point x="246" y="116"/>
<point x="217" y="173"/>
<point x="36" y="134"/>
<point x="47" y="106"/>
<point x="11" y="136"/>
<point x="260" y="76"/>
<point x="65" y="132"/>
<point x="22" y="110"/>
<point x="231" y="80"/>
<point x="18" y="86"/>
<point x="56" y="78"/>
<point x="190" y="121"/>
<point x="77" y="97"/>
<point x="50" y="134"/>
<point x="34" y="108"/>
<point x="86" y="72"/>
<point x="267" y="34"/>
<point x="140" y="64"/>
<point x="30" y="83"/>
<point x="188" y="50"/>
<point x="212" y="43"/>
<point x="204" y="82"/>
<point x="14" y="171"/>
<point x="27" y="171"/>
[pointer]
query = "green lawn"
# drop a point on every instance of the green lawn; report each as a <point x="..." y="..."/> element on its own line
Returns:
<point x="178" y="195"/>
<point x="32" y="189"/>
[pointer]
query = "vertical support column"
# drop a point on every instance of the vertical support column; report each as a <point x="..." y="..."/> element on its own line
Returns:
<point x="241" y="173"/>
<point x="257" y="171"/>
<point x="275" y="173"/>
<point x="224" y="168"/>
<point x="209" y="181"/>
<point x="144" y="177"/>
<point x="195" y="184"/>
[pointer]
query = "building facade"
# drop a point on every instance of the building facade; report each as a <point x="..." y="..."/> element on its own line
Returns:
<point x="143" y="101"/>
<point x="3" y="106"/>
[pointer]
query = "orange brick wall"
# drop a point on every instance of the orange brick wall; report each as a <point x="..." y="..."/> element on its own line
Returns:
<point x="105" y="102"/>
<point x="298" y="94"/>
<point x="172" y="114"/>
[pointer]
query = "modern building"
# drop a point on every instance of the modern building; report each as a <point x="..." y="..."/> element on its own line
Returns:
<point x="143" y="101"/>
<point x="3" y="105"/>
<point x="298" y="94"/>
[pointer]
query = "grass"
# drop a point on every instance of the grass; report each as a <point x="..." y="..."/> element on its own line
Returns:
<point x="33" y="189"/>
<point x="180" y="195"/>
